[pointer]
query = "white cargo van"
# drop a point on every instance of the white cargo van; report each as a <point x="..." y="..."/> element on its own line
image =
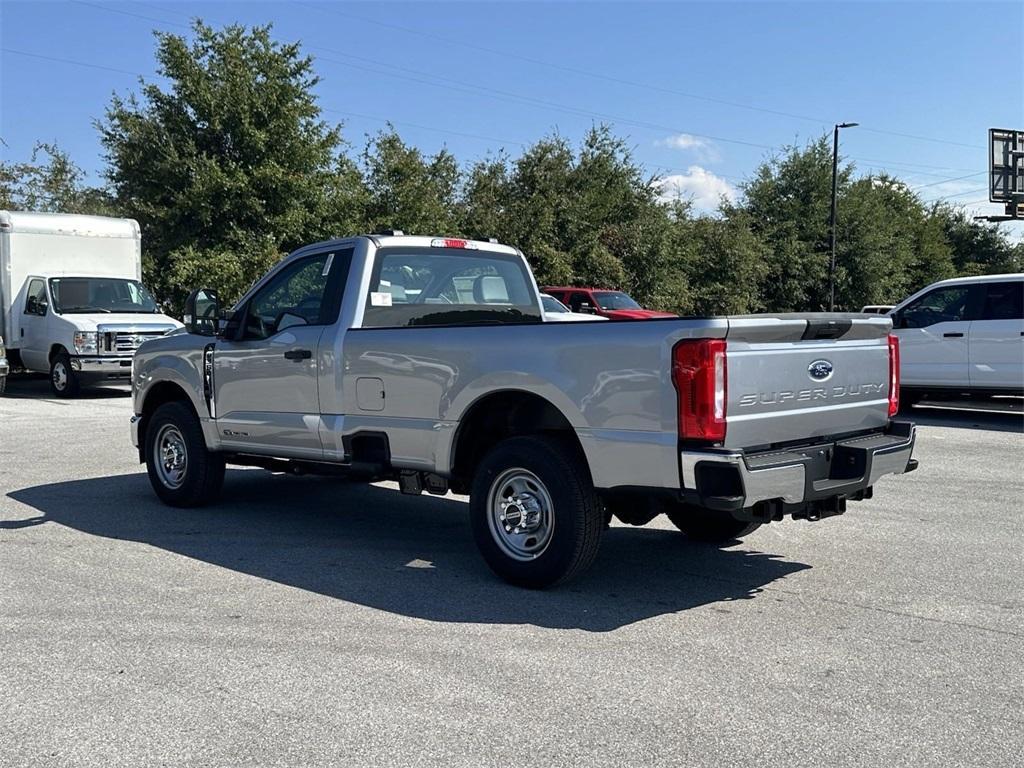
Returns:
<point x="72" y="303"/>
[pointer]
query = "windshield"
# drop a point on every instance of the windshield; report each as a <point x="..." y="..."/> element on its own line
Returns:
<point x="79" y="295"/>
<point x="551" y="304"/>
<point x="614" y="300"/>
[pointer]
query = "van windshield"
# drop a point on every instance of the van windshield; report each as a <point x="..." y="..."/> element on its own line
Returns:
<point x="79" y="295"/>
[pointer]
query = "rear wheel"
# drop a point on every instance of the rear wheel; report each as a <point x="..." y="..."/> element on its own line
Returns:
<point x="63" y="380"/>
<point x="709" y="525"/>
<point x="535" y="515"/>
<point x="181" y="470"/>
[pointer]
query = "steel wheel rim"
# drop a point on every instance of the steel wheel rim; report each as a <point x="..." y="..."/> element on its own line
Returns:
<point x="520" y="514"/>
<point x="60" y="376"/>
<point x="171" y="456"/>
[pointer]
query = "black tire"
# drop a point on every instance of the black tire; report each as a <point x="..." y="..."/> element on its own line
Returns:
<point x="174" y="427"/>
<point x="576" y="517"/>
<point x="63" y="380"/>
<point x="3" y="384"/>
<point x="708" y="525"/>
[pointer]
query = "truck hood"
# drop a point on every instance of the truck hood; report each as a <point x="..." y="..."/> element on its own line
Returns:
<point x="635" y="314"/>
<point x="91" y="321"/>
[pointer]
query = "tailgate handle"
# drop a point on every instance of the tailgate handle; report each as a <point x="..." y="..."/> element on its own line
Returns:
<point x="817" y="330"/>
<point x="956" y="335"/>
<point x="298" y="354"/>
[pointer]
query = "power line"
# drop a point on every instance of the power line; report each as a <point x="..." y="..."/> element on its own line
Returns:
<point x="946" y="181"/>
<point x="529" y="100"/>
<point x="621" y="81"/>
<point x="423" y="127"/>
<point x="471" y="89"/>
<point x="130" y="13"/>
<point x="418" y="76"/>
<point x="957" y="194"/>
<point x="70" y="61"/>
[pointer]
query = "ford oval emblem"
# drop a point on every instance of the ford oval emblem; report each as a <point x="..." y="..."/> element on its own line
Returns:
<point x="820" y="370"/>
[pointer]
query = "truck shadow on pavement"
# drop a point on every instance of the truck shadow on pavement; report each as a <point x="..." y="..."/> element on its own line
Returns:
<point x="36" y="386"/>
<point x="411" y="556"/>
<point x="967" y="417"/>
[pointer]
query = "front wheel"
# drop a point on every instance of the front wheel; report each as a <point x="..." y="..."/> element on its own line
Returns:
<point x="535" y="515"/>
<point x="63" y="380"/>
<point x="181" y="470"/>
<point x="709" y="525"/>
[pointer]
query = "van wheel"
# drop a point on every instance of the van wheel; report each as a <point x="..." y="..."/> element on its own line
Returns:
<point x="63" y="380"/>
<point x="709" y="525"/>
<point x="535" y="515"/>
<point x="181" y="469"/>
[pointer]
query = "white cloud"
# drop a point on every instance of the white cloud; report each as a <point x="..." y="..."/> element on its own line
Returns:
<point x="701" y="186"/>
<point x="704" y="148"/>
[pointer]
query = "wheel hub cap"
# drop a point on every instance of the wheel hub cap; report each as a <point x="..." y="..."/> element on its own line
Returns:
<point x="521" y="515"/>
<point x="171" y="456"/>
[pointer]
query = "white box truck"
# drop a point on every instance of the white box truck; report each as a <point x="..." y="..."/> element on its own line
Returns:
<point x="72" y="303"/>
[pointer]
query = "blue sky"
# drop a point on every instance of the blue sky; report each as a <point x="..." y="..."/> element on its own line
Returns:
<point x="702" y="91"/>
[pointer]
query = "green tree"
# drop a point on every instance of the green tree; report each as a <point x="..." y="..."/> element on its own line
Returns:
<point x="787" y="202"/>
<point x="50" y="182"/>
<point x="228" y="165"/>
<point x="977" y="248"/>
<point x="408" y="191"/>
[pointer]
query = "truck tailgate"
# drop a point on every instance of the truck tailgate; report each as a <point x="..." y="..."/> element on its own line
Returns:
<point x="793" y="378"/>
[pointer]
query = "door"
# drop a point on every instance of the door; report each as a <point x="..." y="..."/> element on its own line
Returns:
<point x="265" y="380"/>
<point x="35" y="345"/>
<point x="934" y="333"/>
<point x="997" y="338"/>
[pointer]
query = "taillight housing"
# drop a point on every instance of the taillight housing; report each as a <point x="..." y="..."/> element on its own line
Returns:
<point x="894" y="374"/>
<point x="699" y="376"/>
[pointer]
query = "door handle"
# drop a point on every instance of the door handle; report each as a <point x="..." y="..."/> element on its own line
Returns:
<point x="298" y="354"/>
<point x="953" y="335"/>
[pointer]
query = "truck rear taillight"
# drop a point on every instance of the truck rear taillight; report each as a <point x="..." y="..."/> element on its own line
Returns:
<point x="894" y="374"/>
<point x="699" y="376"/>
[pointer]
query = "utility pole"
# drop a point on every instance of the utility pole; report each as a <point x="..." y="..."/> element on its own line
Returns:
<point x="832" y="216"/>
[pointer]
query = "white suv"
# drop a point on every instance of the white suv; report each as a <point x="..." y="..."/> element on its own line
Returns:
<point x="963" y="336"/>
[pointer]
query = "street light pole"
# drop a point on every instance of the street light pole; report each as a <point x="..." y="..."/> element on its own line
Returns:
<point x="832" y="216"/>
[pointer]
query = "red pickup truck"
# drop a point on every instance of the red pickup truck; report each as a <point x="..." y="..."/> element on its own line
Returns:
<point x="615" y="305"/>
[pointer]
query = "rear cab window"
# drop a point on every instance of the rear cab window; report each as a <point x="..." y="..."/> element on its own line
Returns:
<point x="448" y="286"/>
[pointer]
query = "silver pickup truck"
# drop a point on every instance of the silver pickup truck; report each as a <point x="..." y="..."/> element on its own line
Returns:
<point x="427" y="361"/>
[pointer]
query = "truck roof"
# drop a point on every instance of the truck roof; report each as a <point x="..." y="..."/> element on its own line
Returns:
<point x="412" y="241"/>
<point x="979" y="279"/>
<point x="67" y="224"/>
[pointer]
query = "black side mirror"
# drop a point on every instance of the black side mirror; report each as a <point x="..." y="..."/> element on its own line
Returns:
<point x="202" y="312"/>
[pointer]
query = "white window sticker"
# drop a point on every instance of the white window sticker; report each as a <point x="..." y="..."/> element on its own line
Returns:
<point x="380" y="299"/>
<point x="327" y="265"/>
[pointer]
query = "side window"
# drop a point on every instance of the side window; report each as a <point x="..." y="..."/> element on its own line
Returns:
<point x="577" y="300"/>
<point x="35" y="298"/>
<point x="1003" y="301"/>
<point x="297" y="295"/>
<point x="943" y="305"/>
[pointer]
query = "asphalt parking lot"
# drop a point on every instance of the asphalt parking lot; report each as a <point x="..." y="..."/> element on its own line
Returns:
<point x="309" y="621"/>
